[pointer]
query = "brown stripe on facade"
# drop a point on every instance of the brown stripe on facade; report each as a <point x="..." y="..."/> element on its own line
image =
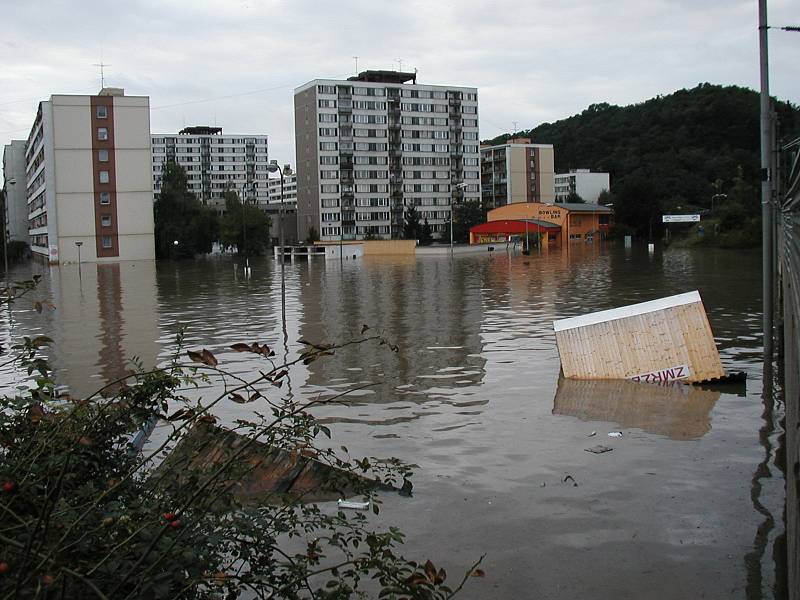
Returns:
<point x="529" y="156"/>
<point x="105" y="193"/>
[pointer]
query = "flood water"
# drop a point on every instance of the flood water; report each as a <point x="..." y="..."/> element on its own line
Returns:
<point x="687" y="505"/>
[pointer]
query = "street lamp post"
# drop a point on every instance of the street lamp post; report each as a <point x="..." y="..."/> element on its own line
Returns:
<point x="11" y="181"/>
<point x="458" y="186"/>
<point x="714" y="197"/>
<point x="272" y="167"/>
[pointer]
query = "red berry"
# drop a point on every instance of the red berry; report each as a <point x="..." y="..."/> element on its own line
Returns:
<point x="175" y="524"/>
<point x="170" y="516"/>
<point x="4" y="567"/>
<point x="9" y="486"/>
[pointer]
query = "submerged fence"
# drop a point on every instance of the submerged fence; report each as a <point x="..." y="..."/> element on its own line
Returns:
<point x="789" y="269"/>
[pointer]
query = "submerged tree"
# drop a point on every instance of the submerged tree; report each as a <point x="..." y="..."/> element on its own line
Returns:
<point x="411" y="228"/>
<point x="426" y="236"/>
<point x="245" y="227"/>
<point x="183" y="227"/>
<point x="466" y="215"/>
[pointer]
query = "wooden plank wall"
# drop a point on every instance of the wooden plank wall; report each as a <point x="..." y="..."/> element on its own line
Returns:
<point x="644" y="343"/>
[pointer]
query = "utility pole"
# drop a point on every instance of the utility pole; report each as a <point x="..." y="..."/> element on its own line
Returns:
<point x="767" y="258"/>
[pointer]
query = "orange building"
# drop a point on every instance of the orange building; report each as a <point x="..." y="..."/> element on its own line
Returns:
<point x="558" y="222"/>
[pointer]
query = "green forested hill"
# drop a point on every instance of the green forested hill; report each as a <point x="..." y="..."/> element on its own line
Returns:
<point x="669" y="151"/>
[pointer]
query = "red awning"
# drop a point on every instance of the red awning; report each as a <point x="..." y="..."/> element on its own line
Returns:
<point x="514" y="227"/>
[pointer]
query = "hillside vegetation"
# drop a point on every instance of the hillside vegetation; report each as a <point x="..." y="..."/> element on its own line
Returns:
<point x="671" y="151"/>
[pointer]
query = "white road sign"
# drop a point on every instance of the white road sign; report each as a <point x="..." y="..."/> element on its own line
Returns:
<point x="680" y="218"/>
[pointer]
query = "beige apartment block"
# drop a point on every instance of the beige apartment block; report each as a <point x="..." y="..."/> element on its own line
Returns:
<point x="517" y="171"/>
<point x="88" y="179"/>
<point x="373" y="146"/>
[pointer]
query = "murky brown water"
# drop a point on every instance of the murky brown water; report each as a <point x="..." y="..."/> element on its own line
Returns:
<point x="474" y="399"/>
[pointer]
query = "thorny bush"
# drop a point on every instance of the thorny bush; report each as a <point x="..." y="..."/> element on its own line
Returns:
<point x="87" y="513"/>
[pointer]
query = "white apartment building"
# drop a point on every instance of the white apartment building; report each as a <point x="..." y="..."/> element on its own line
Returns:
<point x="215" y="162"/>
<point x="16" y="206"/>
<point x="289" y="189"/>
<point x="88" y="178"/>
<point x="583" y="182"/>
<point x="517" y="171"/>
<point x="372" y="146"/>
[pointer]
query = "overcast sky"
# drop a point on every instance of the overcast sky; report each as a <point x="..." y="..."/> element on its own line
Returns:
<point x="235" y="63"/>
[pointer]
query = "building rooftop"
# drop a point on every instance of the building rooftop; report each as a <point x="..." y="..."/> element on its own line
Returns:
<point x="582" y="207"/>
<point x="385" y="77"/>
<point x="516" y="142"/>
<point x="200" y="130"/>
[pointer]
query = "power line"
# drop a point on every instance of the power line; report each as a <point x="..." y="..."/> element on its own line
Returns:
<point x="239" y="95"/>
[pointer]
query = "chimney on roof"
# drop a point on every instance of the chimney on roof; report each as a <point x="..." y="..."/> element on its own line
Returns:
<point x="109" y="91"/>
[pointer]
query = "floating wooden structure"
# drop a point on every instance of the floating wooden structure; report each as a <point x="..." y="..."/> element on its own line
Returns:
<point x="680" y="412"/>
<point x="262" y="474"/>
<point x="661" y="340"/>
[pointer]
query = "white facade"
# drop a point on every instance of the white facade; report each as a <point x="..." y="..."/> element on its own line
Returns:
<point x="583" y="182"/>
<point x="16" y="216"/>
<point x="215" y="162"/>
<point x="371" y="147"/>
<point x="88" y="178"/>
<point x="289" y="189"/>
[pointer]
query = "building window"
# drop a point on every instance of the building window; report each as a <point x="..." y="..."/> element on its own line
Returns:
<point x="102" y="155"/>
<point x="105" y="198"/>
<point x="104" y="177"/>
<point x="102" y="112"/>
<point x="102" y="133"/>
<point x="108" y="242"/>
<point x="105" y="220"/>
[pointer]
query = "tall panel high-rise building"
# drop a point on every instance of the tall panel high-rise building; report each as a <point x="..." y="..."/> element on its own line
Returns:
<point x="371" y="147"/>
<point x="214" y="162"/>
<point x="88" y="178"/>
<point x="517" y="171"/>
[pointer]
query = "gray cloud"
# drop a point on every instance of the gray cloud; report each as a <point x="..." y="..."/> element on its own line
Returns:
<point x="533" y="61"/>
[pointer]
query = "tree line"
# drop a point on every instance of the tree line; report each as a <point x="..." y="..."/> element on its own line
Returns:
<point x="689" y="151"/>
<point x="185" y="227"/>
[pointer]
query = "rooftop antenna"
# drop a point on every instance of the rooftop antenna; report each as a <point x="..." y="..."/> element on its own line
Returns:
<point x="102" y="66"/>
<point x="355" y="58"/>
<point x="400" y="62"/>
<point x="515" y="126"/>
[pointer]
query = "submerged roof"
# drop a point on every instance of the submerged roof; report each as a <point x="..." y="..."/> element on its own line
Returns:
<point x="515" y="226"/>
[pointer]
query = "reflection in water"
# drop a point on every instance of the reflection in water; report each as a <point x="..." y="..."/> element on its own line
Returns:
<point x="754" y="560"/>
<point x="102" y="320"/>
<point x="433" y="316"/>
<point x="680" y="412"/>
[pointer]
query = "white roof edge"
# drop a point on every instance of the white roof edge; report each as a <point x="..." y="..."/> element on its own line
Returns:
<point x="418" y="85"/>
<point x="627" y="311"/>
<point x="548" y="146"/>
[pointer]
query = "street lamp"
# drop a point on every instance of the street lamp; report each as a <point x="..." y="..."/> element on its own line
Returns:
<point x="272" y="167"/>
<point x="714" y="197"/>
<point x="11" y="181"/>
<point x="458" y="186"/>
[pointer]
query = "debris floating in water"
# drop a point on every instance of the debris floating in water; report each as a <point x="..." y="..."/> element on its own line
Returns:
<point x="660" y="341"/>
<point x="594" y="433"/>
<point x="598" y="449"/>
<point x="349" y="504"/>
<point x="615" y="434"/>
